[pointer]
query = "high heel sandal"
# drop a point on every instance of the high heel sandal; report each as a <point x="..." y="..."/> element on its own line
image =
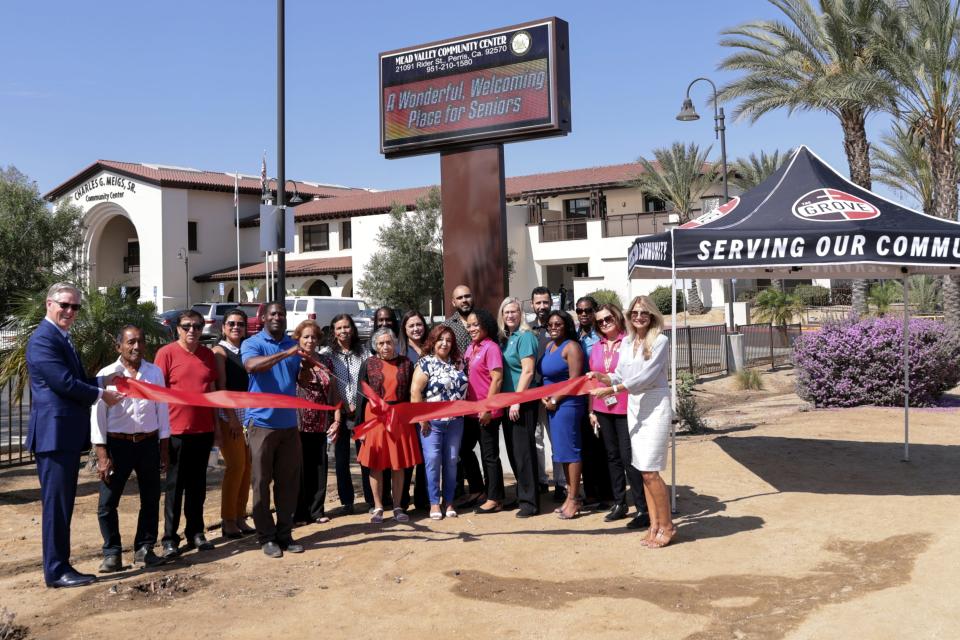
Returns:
<point x="376" y="516"/>
<point x="662" y="538"/>
<point x="576" y="512"/>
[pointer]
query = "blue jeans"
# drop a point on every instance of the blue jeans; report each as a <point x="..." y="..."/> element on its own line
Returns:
<point x="441" y="449"/>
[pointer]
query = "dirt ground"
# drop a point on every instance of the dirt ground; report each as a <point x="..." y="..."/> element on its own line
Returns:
<point x="794" y="523"/>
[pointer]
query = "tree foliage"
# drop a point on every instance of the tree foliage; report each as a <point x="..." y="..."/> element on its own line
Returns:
<point x="407" y="271"/>
<point x="750" y="171"/>
<point x="34" y="240"/>
<point x="776" y="307"/>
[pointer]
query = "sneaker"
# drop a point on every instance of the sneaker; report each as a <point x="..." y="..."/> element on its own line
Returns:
<point x="110" y="564"/>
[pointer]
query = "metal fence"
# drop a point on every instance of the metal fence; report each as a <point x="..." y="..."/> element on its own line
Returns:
<point x="767" y="344"/>
<point x="701" y="350"/>
<point x="14" y="420"/>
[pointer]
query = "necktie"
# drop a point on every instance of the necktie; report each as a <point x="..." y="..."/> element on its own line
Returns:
<point x="73" y="351"/>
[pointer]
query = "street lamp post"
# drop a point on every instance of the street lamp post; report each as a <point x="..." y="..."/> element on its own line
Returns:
<point x="184" y="255"/>
<point x="281" y="290"/>
<point x="688" y="114"/>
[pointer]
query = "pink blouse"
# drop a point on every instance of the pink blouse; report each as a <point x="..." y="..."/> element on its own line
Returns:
<point x="603" y="359"/>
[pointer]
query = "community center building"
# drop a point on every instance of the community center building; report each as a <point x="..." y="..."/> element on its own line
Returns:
<point x="169" y="234"/>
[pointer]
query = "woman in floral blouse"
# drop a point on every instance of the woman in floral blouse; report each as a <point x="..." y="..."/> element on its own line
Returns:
<point x="439" y="376"/>
<point x="317" y="428"/>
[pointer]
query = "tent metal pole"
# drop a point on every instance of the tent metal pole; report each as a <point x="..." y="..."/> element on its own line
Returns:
<point x="906" y="369"/>
<point x="673" y="376"/>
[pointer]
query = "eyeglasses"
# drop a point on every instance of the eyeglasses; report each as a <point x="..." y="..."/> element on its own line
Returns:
<point x="584" y="310"/>
<point x="68" y="305"/>
<point x="235" y="323"/>
<point x="606" y="320"/>
<point x="555" y="325"/>
<point x="196" y="326"/>
<point x="639" y="314"/>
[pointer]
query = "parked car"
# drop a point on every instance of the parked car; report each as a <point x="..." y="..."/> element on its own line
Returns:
<point x="364" y="322"/>
<point x="212" y="313"/>
<point x="253" y="311"/>
<point x="167" y="319"/>
<point x="322" y="309"/>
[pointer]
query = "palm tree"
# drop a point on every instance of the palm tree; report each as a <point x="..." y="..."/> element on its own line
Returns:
<point x="776" y="307"/>
<point x="883" y="294"/>
<point x="94" y="331"/>
<point x="903" y="164"/>
<point x="681" y="176"/>
<point x="818" y="61"/>
<point x="921" y="53"/>
<point x="751" y="171"/>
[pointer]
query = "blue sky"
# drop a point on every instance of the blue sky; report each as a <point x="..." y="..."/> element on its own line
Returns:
<point x="193" y="84"/>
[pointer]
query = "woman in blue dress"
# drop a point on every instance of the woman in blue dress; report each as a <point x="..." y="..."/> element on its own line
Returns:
<point x="439" y="376"/>
<point x="562" y="360"/>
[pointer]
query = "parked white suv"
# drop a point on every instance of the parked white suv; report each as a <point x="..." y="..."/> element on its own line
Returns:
<point x="322" y="309"/>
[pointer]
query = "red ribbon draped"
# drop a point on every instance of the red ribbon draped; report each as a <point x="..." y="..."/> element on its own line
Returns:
<point x="390" y="415"/>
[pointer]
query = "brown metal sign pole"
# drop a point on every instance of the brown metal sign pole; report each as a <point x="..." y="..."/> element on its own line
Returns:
<point x="473" y="195"/>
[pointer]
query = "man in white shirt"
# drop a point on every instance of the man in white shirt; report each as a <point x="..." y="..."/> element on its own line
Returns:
<point x="132" y="435"/>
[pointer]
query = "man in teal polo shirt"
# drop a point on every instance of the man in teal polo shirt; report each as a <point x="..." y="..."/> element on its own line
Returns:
<point x="273" y="361"/>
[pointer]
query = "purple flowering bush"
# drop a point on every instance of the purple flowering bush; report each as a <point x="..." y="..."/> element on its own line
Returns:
<point x="855" y="363"/>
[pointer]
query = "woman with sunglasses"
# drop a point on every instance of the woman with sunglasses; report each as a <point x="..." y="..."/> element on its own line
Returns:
<point x="642" y="372"/>
<point x="609" y="416"/>
<point x="562" y="360"/>
<point x="231" y="376"/>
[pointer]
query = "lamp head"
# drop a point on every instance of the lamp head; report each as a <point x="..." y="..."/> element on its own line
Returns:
<point x="687" y="112"/>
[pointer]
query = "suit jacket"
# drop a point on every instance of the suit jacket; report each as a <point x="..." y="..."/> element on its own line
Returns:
<point x="61" y="394"/>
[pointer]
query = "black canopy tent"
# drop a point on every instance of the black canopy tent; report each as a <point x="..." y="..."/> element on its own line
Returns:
<point x="804" y="221"/>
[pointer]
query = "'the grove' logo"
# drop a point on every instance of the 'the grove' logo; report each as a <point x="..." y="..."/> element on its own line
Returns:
<point x="712" y="215"/>
<point x="833" y="205"/>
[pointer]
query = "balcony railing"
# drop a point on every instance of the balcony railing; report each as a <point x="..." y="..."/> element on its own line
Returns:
<point x="131" y="264"/>
<point x="635" y="224"/>
<point x="557" y="230"/>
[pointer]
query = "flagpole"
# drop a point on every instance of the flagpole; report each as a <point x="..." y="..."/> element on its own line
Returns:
<point x="236" y="206"/>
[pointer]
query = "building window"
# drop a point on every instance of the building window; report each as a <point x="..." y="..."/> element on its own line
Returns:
<point x="192" y="236"/>
<point x="316" y="237"/>
<point x="576" y="208"/>
<point x="346" y="235"/>
<point x="652" y="205"/>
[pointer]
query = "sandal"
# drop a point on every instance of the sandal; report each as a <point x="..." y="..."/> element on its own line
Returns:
<point x="563" y="514"/>
<point x="451" y="512"/>
<point x="663" y="538"/>
<point x="436" y="515"/>
<point x="376" y="516"/>
<point x="400" y="516"/>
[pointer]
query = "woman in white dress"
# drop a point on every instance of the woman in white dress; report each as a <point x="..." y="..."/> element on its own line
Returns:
<point x="642" y="373"/>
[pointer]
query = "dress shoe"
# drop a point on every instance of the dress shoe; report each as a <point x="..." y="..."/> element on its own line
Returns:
<point x="146" y="557"/>
<point x="526" y="513"/>
<point x="559" y="495"/>
<point x="347" y="510"/>
<point x="543" y="487"/>
<point x="617" y="512"/>
<point x="170" y="550"/>
<point x="494" y="509"/>
<point x="639" y="521"/>
<point x="272" y="550"/>
<point x="198" y="542"/>
<point x="110" y="564"/>
<point x="291" y="547"/>
<point x="72" y="579"/>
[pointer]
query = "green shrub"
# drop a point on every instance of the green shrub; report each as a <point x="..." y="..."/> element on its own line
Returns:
<point x="776" y="307"/>
<point x="688" y="412"/>
<point x="606" y="296"/>
<point x="812" y="295"/>
<point x="661" y="298"/>
<point x="749" y="380"/>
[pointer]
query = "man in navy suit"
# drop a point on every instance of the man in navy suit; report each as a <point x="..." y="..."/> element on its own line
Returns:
<point x="59" y="430"/>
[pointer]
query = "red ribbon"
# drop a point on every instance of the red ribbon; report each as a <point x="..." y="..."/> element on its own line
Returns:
<point x="215" y="399"/>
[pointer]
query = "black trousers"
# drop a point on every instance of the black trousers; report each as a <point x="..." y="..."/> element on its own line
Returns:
<point x="341" y="455"/>
<point x="616" y="438"/>
<point x="521" y="440"/>
<point x="596" y="475"/>
<point x="469" y="467"/>
<point x="313" y="477"/>
<point x="387" y="488"/>
<point x="490" y="453"/>
<point x="186" y="488"/>
<point x="127" y="457"/>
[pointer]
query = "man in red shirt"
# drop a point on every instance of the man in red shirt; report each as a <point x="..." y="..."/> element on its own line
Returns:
<point x="187" y="364"/>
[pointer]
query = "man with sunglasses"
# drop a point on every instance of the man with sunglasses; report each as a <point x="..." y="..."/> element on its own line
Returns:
<point x="186" y="364"/>
<point x="59" y="432"/>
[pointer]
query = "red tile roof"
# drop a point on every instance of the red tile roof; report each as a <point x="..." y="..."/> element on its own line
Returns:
<point x="182" y="178"/>
<point x="367" y="203"/>
<point x="314" y="267"/>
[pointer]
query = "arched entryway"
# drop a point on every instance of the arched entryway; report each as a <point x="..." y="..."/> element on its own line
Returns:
<point x="112" y="248"/>
<point x="347" y="289"/>
<point x="318" y="288"/>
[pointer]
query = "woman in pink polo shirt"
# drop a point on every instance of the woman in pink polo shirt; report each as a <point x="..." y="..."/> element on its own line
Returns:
<point x="609" y="415"/>
<point x="484" y="363"/>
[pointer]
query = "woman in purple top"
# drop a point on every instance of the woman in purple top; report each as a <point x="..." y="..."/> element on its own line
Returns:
<point x="610" y="416"/>
<point x="484" y="364"/>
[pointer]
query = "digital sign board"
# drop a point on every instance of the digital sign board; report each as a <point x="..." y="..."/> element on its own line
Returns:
<point x="506" y="84"/>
